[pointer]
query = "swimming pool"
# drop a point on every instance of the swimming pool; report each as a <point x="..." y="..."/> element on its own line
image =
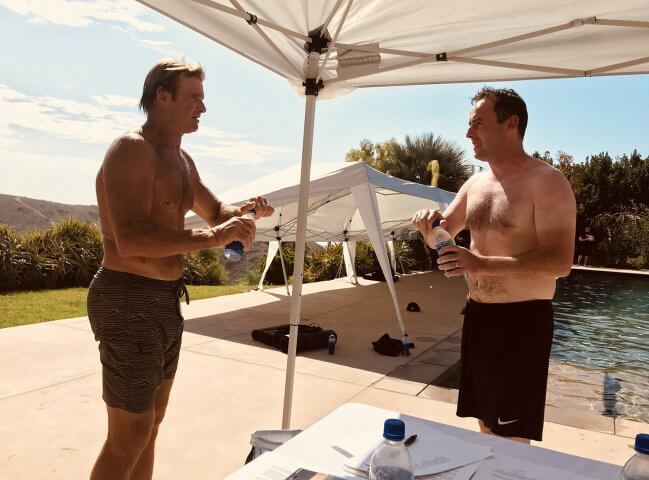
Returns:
<point x="600" y="352"/>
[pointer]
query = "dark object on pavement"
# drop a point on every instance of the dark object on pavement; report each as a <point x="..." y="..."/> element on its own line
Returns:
<point x="413" y="307"/>
<point x="309" y="337"/>
<point x="388" y="346"/>
<point x="378" y="276"/>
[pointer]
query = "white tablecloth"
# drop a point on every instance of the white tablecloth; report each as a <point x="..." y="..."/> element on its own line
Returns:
<point x="312" y="448"/>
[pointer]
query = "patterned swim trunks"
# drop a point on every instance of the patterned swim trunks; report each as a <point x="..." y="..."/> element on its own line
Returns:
<point x="138" y="324"/>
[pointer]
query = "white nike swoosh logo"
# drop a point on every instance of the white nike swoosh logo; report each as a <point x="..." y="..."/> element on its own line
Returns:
<point x="500" y="422"/>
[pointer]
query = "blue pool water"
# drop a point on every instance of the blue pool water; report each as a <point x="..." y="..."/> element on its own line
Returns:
<point x="600" y="353"/>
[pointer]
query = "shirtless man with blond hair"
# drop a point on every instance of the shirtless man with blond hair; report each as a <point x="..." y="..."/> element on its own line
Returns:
<point x="145" y="186"/>
<point x="521" y="214"/>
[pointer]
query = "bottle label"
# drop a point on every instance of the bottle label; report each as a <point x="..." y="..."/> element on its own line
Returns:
<point x="445" y="243"/>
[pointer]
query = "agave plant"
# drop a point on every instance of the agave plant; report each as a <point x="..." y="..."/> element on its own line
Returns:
<point x="13" y="259"/>
<point x="81" y="243"/>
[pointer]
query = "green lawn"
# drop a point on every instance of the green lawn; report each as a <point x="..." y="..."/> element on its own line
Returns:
<point x="23" y="308"/>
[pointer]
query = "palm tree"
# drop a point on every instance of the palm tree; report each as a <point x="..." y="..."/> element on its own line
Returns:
<point x="411" y="160"/>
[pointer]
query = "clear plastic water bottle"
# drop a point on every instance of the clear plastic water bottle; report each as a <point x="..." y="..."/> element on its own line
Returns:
<point x="233" y="251"/>
<point x="391" y="460"/>
<point x="637" y="468"/>
<point x="441" y="238"/>
<point x="331" y="343"/>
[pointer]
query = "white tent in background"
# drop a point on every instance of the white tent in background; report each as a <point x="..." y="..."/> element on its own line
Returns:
<point x="330" y="47"/>
<point x="347" y="203"/>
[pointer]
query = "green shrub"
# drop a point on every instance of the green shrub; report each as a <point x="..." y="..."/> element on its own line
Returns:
<point x="327" y="263"/>
<point x="70" y="253"/>
<point x="13" y="259"/>
<point x="622" y="239"/>
<point x="366" y="261"/>
<point x="275" y="276"/>
<point x="205" y="268"/>
<point x="80" y="249"/>
<point x="413" y="255"/>
<point x="251" y="277"/>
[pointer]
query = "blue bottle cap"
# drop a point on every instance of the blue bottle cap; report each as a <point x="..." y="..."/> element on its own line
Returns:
<point x="642" y="443"/>
<point x="437" y="222"/>
<point x="394" y="429"/>
<point x="233" y="251"/>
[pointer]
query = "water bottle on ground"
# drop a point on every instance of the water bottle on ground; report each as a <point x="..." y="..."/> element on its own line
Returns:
<point x="233" y="251"/>
<point x="637" y="468"/>
<point x="391" y="460"/>
<point x="331" y="343"/>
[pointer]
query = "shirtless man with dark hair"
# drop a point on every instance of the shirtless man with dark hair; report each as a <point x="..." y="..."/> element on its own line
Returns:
<point x="145" y="186"/>
<point x="521" y="214"/>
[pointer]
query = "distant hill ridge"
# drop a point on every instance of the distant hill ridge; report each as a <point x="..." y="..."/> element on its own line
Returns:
<point x="25" y="215"/>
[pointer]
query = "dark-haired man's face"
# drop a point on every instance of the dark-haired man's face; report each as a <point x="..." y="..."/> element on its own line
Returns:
<point x="486" y="134"/>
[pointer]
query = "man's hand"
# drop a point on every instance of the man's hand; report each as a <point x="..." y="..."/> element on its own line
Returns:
<point x="260" y="205"/>
<point x="236" y="229"/>
<point x="455" y="261"/>
<point x="423" y="221"/>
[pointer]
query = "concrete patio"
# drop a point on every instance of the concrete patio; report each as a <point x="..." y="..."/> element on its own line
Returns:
<point x="52" y="418"/>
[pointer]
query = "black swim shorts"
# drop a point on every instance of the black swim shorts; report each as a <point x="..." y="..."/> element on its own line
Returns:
<point x="138" y="324"/>
<point x="505" y="355"/>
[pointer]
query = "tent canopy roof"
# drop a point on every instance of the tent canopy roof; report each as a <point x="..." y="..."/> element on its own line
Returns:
<point x="332" y="207"/>
<point x="423" y="41"/>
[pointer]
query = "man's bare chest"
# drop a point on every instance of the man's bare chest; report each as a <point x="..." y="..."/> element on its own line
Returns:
<point x="172" y="191"/>
<point x="492" y="207"/>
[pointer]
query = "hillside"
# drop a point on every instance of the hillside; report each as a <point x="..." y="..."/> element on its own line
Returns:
<point x="24" y="214"/>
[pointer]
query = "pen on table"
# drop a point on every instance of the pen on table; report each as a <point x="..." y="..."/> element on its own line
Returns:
<point x="410" y="440"/>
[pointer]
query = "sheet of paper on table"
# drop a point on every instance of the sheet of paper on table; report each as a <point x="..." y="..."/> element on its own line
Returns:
<point x="503" y="467"/>
<point x="462" y="473"/>
<point x="433" y="452"/>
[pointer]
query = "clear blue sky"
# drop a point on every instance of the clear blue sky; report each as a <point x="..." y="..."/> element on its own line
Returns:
<point x="72" y="73"/>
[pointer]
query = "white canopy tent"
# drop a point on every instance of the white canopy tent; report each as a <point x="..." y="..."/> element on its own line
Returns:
<point x="347" y="203"/>
<point x="330" y="47"/>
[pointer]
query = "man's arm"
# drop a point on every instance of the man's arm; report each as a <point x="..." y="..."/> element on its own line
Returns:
<point x="453" y="218"/>
<point x="215" y="212"/>
<point x="129" y="198"/>
<point x="554" y="218"/>
<point x="455" y="213"/>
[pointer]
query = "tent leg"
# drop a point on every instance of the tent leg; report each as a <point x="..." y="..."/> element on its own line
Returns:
<point x="403" y="270"/>
<point x="298" y="269"/>
<point x="281" y="259"/>
<point x="270" y="255"/>
<point x="398" y="255"/>
<point x="365" y="196"/>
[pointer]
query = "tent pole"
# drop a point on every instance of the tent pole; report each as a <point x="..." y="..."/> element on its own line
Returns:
<point x="303" y="206"/>
<point x="281" y="259"/>
<point x="269" y="260"/>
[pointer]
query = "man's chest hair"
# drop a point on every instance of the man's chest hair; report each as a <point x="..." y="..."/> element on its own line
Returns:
<point x="492" y="206"/>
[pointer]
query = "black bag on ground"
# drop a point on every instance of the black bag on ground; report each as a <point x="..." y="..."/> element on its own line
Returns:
<point x="386" y="345"/>
<point x="309" y="337"/>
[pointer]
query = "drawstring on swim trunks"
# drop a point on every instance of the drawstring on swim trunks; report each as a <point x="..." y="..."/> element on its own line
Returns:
<point x="182" y="290"/>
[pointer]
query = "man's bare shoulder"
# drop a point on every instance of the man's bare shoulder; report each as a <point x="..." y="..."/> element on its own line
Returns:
<point x="129" y="147"/>
<point x="188" y="158"/>
<point x="473" y="180"/>
<point x="547" y="180"/>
